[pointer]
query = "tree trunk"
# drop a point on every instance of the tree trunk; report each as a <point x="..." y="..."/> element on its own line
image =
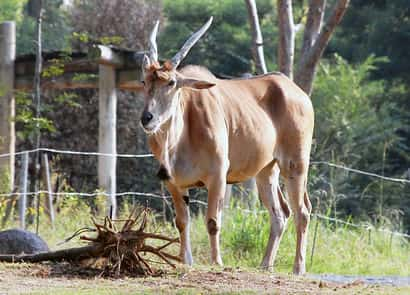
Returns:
<point x="257" y="39"/>
<point x="259" y="59"/>
<point x="286" y="46"/>
<point x="7" y="104"/>
<point x="316" y="39"/>
<point x="314" y="23"/>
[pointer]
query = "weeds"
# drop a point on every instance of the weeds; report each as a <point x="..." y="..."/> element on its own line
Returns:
<point x="338" y="249"/>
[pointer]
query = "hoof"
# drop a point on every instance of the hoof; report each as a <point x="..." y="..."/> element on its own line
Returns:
<point x="266" y="267"/>
<point x="299" y="271"/>
<point x="217" y="261"/>
<point x="187" y="259"/>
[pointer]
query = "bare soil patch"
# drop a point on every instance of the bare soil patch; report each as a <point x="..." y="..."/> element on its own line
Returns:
<point x="64" y="278"/>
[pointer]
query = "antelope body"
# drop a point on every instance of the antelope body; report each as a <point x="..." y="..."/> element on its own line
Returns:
<point x="209" y="132"/>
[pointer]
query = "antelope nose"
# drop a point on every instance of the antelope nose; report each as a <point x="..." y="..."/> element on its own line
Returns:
<point x="146" y="118"/>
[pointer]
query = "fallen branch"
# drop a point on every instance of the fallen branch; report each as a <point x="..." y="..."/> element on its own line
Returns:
<point x="122" y="250"/>
<point x="72" y="254"/>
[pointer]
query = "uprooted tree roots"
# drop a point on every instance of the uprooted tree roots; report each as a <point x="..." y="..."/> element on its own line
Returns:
<point x="123" y="251"/>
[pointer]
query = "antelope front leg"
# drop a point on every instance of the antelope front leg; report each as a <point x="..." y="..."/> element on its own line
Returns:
<point x="216" y="192"/>
<point x="181" y="204"/>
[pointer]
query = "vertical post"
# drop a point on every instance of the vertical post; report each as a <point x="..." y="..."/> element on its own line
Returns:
<point x="314" y="242"/>
<point x="23" y="190"/>
<point x="370" y="234"/>
<point x="49" y="190"/>
<point x="37" y="98"/>
<point x="7" y="104"/>
<point x="107" y="138"/>
<point x="227" y="197"/>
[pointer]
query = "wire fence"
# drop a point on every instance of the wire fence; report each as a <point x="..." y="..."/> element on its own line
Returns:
<point x="85" y="153"/>
<point x="79" y="153"/>
<point x="392" y="179"/>
<point x="199" y="202"/>
<point x="205" y="204"/>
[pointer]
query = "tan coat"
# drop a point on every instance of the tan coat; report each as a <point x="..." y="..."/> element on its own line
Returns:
<point x="216" y="131"/>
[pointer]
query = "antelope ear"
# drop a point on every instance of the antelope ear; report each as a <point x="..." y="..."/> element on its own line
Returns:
<point x="195" y="84"/>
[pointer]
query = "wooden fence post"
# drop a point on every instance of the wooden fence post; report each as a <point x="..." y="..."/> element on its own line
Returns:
<point x="7" y="104"/>
<point x="107" y="137"/>
<point x="23" y="191"/>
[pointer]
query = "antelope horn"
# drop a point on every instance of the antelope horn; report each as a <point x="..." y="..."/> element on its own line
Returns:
<point x="176" y="60"/>
<point x="153" y="50"/>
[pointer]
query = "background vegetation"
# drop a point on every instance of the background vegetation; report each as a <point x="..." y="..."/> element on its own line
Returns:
<point x="338" y="249"/>
<point x="361" y="98"/>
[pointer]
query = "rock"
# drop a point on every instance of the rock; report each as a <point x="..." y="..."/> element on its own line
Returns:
<point x="17" y="241"/>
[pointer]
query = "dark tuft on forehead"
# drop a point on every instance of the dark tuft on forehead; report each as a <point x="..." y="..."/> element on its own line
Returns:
<point x="156" y="71"/>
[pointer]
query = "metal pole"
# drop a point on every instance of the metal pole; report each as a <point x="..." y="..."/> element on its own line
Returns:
<point x="49" y="190"/>
<point x="23" y="197"/>
<point x="37" y="98"/>
<point x="314" y="242"/>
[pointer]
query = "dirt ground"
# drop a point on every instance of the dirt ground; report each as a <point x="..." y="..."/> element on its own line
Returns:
<point x="63" y="278"/>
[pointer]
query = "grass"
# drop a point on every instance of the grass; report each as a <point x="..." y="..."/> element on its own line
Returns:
<point x="338" y="250"/>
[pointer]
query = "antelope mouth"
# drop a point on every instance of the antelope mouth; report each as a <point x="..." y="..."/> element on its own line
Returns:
<point x="150" y="128"/>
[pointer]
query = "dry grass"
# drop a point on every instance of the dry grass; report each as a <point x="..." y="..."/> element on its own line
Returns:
<point x="68" y="279"/>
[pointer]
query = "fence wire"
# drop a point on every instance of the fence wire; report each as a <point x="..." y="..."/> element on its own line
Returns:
<point x="392" y="179"/>
<point x="205" y="204"/>
<point x="79" y="153"/>
<point x="84" y="153"/>
<point x="199" y="202"/>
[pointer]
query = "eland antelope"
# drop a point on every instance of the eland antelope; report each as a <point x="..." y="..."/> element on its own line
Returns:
<point x="209" y="132"/>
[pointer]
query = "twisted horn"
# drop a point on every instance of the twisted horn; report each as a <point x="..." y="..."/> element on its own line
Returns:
<point x="153" y="51"/>
<point x="176" y="60"/>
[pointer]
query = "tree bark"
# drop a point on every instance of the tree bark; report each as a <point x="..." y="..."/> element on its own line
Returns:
<point x="286" y="46"/>
<point x="313" y="25"/>
<point x="310" y="58"/>
<point x="72" y="254"/>
<point x="257" y="39"/>
<point x="259" y="59"/>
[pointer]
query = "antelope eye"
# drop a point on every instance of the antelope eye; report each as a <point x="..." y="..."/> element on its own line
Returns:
<point x="172" y="83"/>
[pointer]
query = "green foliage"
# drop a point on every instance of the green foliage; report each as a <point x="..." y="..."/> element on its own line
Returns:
<point x="356" y="126"/>
<point x="84" y="37"/>
<point x="56" y="29"/>
<point x="28" y="124"/>
<point x="226" y="47"/>
<point x="56" y="68"/>
<point x="4" y="182"/>
<point x="346" y="115"/>
<point x="11" y="10"/>
<point x="381" y="27"/>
